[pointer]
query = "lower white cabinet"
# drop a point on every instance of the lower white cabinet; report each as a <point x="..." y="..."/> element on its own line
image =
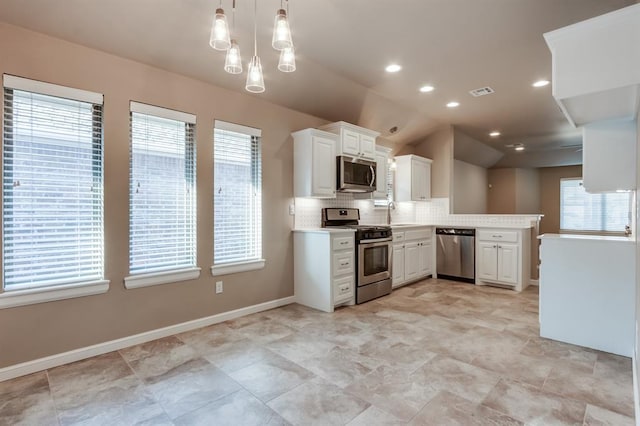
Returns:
<point x="502" y="258"/>
<point x="324" y="268"/>
<point x="412" y="255"/>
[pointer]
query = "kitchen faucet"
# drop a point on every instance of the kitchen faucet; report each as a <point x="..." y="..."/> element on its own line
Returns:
<point x="390" y="206"/>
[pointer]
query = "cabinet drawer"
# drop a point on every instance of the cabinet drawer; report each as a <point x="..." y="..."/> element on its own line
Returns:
<point x="504" y="236"/>
<point x="343" y="263"/>
<point x="343" y="289"/>
<point x="398" y="236"/>
<point x="342" y="243"/>
<point x="422" y="234"/>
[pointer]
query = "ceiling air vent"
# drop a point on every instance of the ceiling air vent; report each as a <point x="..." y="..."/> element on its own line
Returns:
<point x="481" y="91"/>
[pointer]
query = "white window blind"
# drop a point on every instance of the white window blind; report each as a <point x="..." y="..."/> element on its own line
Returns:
<point x="162" y="223"/>
<point x="52" y="186"/>
<point x="581" y="211"/>
<point x="237" y="200"/>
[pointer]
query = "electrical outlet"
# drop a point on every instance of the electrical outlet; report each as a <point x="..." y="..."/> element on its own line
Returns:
<point x="292" y="209"/>
<point x="218" y="287"/>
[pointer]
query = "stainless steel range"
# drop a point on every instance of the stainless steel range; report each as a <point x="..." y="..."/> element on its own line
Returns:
<point x="373" y="252"/>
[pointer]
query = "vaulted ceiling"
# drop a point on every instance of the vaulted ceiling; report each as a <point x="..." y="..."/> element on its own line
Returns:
<point x="342" y="49"/>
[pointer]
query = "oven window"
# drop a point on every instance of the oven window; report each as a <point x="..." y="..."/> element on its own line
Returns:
<point x="376" y="260"/>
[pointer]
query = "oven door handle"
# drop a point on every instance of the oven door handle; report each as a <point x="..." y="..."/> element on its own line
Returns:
<point x="376" y="241"/>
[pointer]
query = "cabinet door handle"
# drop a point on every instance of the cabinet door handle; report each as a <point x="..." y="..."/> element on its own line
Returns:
<point x="344" y="264"/>
<point x="344" y="243"/>
<point x="497" y="236"/>
<point x="495" y="246"/>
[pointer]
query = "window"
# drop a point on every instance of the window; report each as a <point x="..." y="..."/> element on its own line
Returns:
<point x="162" y="224"/>
<point x="52" y="191"/>
<point x="237" y="200"/>
<point x="584" y="212"/>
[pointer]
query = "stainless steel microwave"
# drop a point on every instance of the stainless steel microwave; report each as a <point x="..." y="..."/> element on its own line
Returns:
<point x="355" y="175"/>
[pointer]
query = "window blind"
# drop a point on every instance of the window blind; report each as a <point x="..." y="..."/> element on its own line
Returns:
<point x="237" y="197"/>
<point x="51" y="187"/>
<point x="581" y="211"/>
<point x="162" y="223"/>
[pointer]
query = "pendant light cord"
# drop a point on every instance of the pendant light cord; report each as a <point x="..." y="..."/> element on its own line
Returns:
<point x="255" y="27"/>
<point x="233" y="17"/>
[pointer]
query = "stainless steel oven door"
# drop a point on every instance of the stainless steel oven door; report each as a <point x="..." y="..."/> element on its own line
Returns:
<point x="374" y="261"/>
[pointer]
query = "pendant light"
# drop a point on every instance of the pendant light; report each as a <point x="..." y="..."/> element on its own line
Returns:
<point x="287" y="62"/>
<point x="219" y="38"/>
<point x="281" y="31"/>
<point x="255" y="81"/>
<point x="233" y="60"/>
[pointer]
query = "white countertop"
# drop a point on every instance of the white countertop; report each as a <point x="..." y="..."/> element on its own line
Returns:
<point x="587" y="237"/>
<point x="325" y="230"/>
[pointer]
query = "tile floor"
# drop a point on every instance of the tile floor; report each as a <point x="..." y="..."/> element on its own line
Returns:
<point x="432" y="353"/>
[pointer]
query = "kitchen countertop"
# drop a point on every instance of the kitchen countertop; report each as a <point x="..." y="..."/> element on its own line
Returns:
<point x="325" y="230"/>
<point x="587" y="237"/>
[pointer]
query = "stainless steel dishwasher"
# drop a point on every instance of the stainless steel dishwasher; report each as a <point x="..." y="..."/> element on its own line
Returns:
<point x="456" y="254"/>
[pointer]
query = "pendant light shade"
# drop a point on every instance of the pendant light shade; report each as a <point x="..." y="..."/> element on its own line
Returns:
<point x="287" y="61"/>
<point x="281" y="31"/>
<point x="255" y="81"/>
<point x="219" y="39"/>
<point x="233" y="61"/>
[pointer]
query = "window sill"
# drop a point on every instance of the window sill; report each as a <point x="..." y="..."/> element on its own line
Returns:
<point x="232" y="268"/>
<point x="13" y="298"/>
<point x="158" y="278"/>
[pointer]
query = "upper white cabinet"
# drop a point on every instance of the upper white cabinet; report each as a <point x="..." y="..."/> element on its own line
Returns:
<point x="354" y="141"/>
<point x="314" y="164"/>
<point x="609" y="156"/>
<point x="596" y="67"/>
<point x="413" y="178"/>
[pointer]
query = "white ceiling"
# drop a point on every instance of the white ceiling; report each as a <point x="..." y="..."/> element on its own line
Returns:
<point x="342" y="48"/>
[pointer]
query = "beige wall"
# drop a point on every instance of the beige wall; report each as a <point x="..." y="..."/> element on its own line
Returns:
<point x="470" y="183"/>
<point x="439" y="147"/>
<point x="527" y="191"/>
<point x="44" y="329"/>
<point x="550" y="195"/>
<point x="502" y="191"/>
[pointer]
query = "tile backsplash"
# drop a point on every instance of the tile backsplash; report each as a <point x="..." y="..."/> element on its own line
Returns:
<point x="308" y="210"/>
<point x="435" y="211"/>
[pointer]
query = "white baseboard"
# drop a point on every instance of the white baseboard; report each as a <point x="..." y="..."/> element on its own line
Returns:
<point x="534" y="282"/>
<point x="40" y="364"/>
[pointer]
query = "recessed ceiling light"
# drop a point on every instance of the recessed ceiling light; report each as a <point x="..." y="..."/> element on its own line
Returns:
<point x="393" y="68"/>
<point x="519" y="148"/>
<point x="494" y="134"/>
<point x="540" y="83"/>
<point x="427" y="88"/>
<point x="453" y="104"/>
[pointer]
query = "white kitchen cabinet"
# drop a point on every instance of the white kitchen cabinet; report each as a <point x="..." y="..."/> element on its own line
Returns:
<point x="411" y="261"/>
<point x="354" y="141"/>
<point x="508" y="263"/>
<point x="502" y="258"/>
<point x="398" y="265"/>
<point x="425" y="249"/>
<point x="596" y="67"/>
<point x="314" y="164"/>
<point x="413" y="178"/>
<point x="324" y="268"/>
<point x="487" y="261"/>
<point x="412" y="255"/>
<point x="609" y="156"/>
